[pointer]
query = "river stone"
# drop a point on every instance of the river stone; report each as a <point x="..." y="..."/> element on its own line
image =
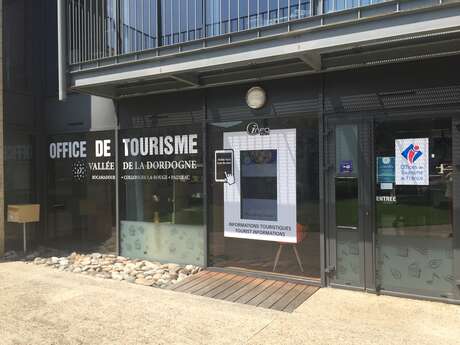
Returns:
<point x="189" y="268"/>
<point x="181" y="277"/>
<point x="145" y="282"/>
<point x="173" y="276"/>
<point x="63" y="262"/>
<point x="117" y="276"/>
<point x="39" y="261"/>
<point x="173" y="267"/>
<point x="142" y="272"/>
<point x="129" y="279"/>
<point x="86" y="262"/>
<point x="157" y="276"/>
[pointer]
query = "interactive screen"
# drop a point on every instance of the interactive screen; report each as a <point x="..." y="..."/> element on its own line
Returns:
<point x="259" y="185"/>
<point x="223" y="165"/>
<point x="260" y="200"/>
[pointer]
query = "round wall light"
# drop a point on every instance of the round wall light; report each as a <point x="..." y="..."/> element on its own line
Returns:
<point x="256" y="97"/>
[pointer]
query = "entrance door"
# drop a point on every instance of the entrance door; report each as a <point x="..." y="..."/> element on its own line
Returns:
<point x="348" y="203"/>
<point x="414" y="212"/>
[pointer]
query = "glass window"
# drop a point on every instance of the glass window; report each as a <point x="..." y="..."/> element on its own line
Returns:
<point x="213" y="12"/>
<point x="161" y="194"/>
<point x="81" y="192"/>
<point x="338" y="5"/>
<point x="346" y="143"/>
<point x="347" y="189"/>
<point x="283" y="11"/>
<point x="259" y="184"/>
<point x="304" y="9"/>
<point x="276" y="180"/>
<point x="263" y="13"/>
<point x="414" y="220"/>
<point x="225" y="20"/>
<point x="20" y="181"/>
<point x="273" y="12"/>
<point x="199" y="18"/>
<point x="346" y="199"/>
<point x="243" y="9"/>
<point x="175" y="20"/>
<point x="253" y="14"/>
<point x="149" y="22"/>
<point x="233" y="16"/>
<point x="349" y="263"/>
<point x="166" y="22"/>
<point x="182" y="20"/>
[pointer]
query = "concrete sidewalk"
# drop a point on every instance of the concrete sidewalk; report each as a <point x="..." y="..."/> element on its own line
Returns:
<point x="43" y="306"/>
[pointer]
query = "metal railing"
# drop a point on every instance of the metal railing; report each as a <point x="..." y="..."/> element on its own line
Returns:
<point x="98" y="29"/>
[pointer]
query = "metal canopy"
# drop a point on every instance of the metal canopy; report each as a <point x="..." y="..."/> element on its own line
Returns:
<point x="386" y="37"/>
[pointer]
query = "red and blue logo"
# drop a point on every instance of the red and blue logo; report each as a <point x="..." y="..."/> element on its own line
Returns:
<point x="412" y="153"/>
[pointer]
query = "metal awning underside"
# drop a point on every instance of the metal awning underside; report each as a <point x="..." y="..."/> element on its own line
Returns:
<point x="389" y="32"/>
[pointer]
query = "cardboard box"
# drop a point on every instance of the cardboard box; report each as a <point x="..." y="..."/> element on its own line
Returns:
<point x="23" y="213"/>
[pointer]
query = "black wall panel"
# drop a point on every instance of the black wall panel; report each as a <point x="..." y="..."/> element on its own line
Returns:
<point x="287" y="97"/>
<point x="182" y="108"/>
<point x="407" y="87"/>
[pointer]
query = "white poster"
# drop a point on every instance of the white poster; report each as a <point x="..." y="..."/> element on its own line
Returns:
<point x="412" y="162"/>
<point x="260" y="200"/>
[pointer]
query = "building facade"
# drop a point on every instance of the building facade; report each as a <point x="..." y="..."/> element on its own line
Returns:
<point x="304" y="140"/>
<point x="31" y="112"/>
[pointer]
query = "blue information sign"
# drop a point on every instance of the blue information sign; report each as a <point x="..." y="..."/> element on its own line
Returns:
<point x="385" y="169"/>
<point x="346" y="166"/>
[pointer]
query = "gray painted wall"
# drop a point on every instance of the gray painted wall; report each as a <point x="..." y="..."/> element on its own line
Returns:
<point x="80" y="113"/>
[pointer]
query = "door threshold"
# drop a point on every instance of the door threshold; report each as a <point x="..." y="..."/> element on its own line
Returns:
<point x="268" y="275"/>
<point x="238" y="288"/>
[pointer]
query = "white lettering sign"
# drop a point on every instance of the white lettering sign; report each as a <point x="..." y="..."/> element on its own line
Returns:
<point x="154" y="146"/>
<point x="102" y="148"/>
<point x="62" y="150"/>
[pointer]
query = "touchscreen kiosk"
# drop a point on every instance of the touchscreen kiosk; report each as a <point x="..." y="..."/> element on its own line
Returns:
<point x="260" y="203"/>
<point x="259" y="185"/>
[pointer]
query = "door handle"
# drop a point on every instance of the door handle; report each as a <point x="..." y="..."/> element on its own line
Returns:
<point x="342" y="227"/>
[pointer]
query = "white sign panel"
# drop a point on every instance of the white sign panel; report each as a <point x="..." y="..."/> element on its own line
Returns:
<point x="260" y="200"/>
<point x="412" y="162"/>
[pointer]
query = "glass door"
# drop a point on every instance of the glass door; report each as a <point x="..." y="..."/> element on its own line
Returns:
<point x="348" y="201"/>
<point x="414" y="206"/>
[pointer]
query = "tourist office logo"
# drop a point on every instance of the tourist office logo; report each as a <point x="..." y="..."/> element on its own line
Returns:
<point x="412" y="153"/>
<point x="79" y="171"/>
<point x="412" y="162"/>
<point x="254" y="129"/>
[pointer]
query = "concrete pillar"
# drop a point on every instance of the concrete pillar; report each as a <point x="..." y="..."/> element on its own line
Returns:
<point x="62" y="60"/>
<point x="2" y="142"/>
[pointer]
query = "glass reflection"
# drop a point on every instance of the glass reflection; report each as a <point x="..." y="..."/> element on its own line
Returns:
<point x="81" y="197"/>
<point x="349" y="263"/>
<point x="161" y="194"/>
<point x="259" y="193"/>
<point x="414" y="222"/>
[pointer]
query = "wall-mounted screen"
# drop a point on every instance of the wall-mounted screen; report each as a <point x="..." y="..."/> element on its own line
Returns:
<point x="259" y="185"/>
<point x="260" y="203"/>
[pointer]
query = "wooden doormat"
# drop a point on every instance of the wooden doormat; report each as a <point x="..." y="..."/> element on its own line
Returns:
<point x="264" y="293"/>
